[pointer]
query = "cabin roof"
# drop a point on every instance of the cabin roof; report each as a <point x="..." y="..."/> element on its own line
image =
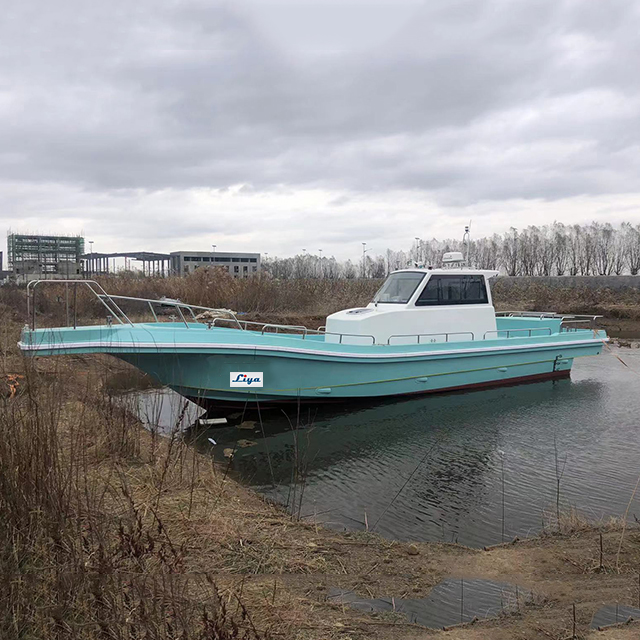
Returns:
<point x="489" y="273"/>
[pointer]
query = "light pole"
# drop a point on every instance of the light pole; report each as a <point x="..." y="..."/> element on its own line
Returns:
<point x="91" y="258"/>
<point x="417" y="249"/>
<point x="321" y="267"/>
<point x="466" y="241"/>
<point x="364" y="253"/>
<point x="213" y="246"/>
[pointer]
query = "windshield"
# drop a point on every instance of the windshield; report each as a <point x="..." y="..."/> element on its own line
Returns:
<point x="399" y="287"/>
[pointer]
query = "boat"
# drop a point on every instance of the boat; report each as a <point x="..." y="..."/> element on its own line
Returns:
<point x="427" y="330"/>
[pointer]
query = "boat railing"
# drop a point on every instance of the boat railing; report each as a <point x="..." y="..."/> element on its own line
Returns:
<point x="94" y="287"/>
<point x="115" y="311"/>
<point x="565" y="319"/>
<point x="198" y="314"/>
<point x="431" y="336"/>
<point x="179" y="306"/>
<point x="576" y="323"/>
<point x="349" y="335"/>
<point x="263" y="327"/>
<point x="528" y="314"/>
<point x="297" y="329"/>
<point x="528" y="332"/>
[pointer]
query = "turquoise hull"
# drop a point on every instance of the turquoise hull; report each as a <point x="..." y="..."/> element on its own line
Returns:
<point x="197" y="361"/>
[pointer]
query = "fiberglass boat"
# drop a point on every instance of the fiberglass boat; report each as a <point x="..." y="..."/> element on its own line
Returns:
<point x="425" y="331"/>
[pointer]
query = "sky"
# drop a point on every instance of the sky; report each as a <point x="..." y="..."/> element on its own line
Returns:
<point x="276" y="126"/>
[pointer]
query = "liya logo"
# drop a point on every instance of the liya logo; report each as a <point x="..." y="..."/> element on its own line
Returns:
<point x="245" y="379"/>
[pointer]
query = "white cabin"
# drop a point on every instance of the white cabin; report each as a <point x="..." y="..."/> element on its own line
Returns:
<point x="420" y="306"/>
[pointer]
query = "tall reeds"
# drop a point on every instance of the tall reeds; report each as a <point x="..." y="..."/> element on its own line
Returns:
<point x="81" y="554"/>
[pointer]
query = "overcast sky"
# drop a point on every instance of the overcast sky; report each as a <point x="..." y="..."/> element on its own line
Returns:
<point x="277" y="126"/>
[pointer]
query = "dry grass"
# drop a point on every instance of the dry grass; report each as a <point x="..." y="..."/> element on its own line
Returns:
<point x="615" y="304"/>
<point x="84" y="550"/>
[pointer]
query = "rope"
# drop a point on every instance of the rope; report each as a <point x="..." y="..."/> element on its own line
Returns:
<point x="615" y="355"/>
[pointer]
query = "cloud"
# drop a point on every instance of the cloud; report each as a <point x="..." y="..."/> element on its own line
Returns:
<point x="454" y="103"/>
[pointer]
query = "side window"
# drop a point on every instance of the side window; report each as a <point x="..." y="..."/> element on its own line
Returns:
<point x="474" y="290"/>
<point x="430" y="294"/>
<point x="449" y="290"/>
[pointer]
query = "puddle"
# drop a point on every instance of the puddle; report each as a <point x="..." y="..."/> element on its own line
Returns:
<point x="163" y="410"/>
<point x="613" y="614"/>
<point x="450" y="602"/>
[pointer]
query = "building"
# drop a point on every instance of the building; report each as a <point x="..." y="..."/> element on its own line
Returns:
<point x="239" y="265"/>
<point x="31" y="257"/>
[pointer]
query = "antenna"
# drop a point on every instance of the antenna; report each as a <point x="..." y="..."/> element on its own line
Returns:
<point x="466" y="240"/>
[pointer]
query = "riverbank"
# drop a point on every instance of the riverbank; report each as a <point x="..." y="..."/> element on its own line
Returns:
<point x="109" y="528"/>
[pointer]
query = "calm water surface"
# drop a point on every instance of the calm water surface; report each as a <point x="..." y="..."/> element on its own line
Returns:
<point x="432" y="468"/>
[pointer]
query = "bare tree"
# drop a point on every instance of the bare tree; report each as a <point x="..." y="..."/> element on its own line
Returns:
<point x="597" y="248"/>
<point x="631" y="247"/>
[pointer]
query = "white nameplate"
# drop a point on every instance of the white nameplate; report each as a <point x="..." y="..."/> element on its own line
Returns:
<point x="247" y="379"/>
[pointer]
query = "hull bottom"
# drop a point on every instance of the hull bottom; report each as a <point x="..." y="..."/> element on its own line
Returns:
<point x="253" y="399"/>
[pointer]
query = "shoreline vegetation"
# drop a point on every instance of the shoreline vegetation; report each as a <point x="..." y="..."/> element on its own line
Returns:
<point x="111" y="531"/>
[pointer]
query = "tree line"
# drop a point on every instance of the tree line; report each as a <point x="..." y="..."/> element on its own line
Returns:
<point x="549" y="250"/>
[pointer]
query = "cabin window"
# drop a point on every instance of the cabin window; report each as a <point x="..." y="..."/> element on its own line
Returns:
<point x="398" y="288"/>
<point x="445" y="290"/>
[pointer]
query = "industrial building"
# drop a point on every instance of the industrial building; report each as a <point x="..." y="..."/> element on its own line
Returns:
<point x="33" y="256"/>
<point x="239" y="265"/>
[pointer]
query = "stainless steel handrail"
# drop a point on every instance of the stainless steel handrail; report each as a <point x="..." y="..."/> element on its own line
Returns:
<point x="114" y="309"/>
<point x="285" y="326"/>
<point x="509" y="331"/>
<point x="591" y="320"/>
<point x="431" y="335"/>
<point x="527" y="314"/>
<point x="261" y="325"/>
<point x="550" y="315"/>
<point x="179" y="306"/>
<point x="304" y="331"/>
<point x="110" y="304"/>
<point x="350" y="335"/>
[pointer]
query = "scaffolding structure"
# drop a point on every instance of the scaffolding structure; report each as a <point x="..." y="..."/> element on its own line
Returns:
<point x="153" y="264"/>
<point x="44" y="256"/>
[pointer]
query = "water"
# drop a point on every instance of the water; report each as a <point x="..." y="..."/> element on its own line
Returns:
<point x="162" y="410"/>
<point x="613" y="614"/>
<point x="450" y="602"/>
<point x="432" y="468"/>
